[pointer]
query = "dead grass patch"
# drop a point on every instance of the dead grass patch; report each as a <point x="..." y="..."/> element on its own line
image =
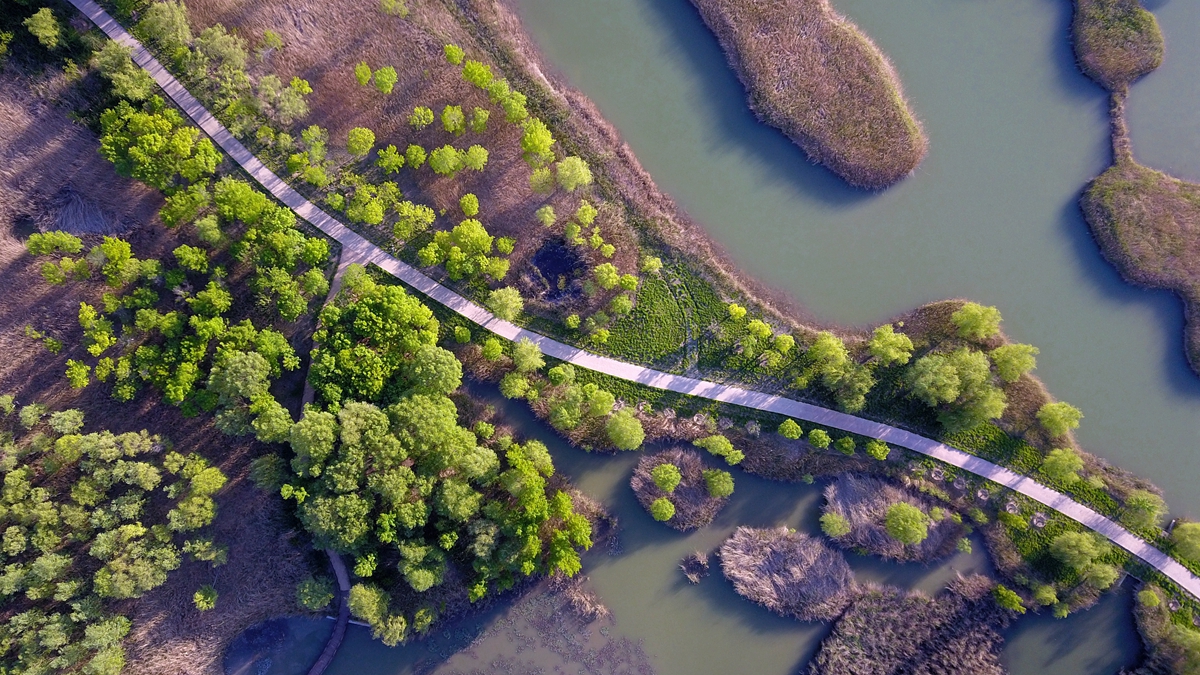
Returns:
<point x="788" y="572"/>
<point x="811" y="72"/>
<point x="864" y="501"/>
<point x="694" y="507"/>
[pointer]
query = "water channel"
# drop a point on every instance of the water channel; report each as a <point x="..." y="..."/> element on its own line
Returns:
<point x="1015" y="132"/>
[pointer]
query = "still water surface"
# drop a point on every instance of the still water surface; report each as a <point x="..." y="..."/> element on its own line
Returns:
<point x="1015" y="133"/>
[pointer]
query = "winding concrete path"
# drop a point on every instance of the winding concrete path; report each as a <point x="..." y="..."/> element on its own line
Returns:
<point x="355" y="248"/>
<point x="339" y="628"/>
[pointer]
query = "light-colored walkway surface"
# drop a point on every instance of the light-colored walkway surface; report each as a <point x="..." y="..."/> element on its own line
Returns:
<point x="343" y="617"/>
<point x="355" y="248"/>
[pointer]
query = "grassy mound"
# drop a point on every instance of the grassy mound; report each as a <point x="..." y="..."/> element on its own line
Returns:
<point x="815" y="75"/>
<point x="1170" y="647"/>
<point x="1116" y="41"/>
<point x="888" y="631"/>
<point x="864" y="503"/>
<point x="694" y="507"/>
<point x="1148" y="225"/>
<point x="787" y="572"/>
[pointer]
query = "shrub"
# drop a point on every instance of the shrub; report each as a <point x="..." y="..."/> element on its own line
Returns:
<point x="721" y="447"/>
<point x="1187" y="540"/>
<point x="205" y="598"/>
<point x="1063" y="465"/>
<point x="1148" y="598"/>
<point x="790" y="429"/>
<point x="834" y="525"/>
<point x="506" y="303"/>
<point x="420" y="118"/>
<point x="662" y="509"/>
<point x="845" y="445"/>
<point x="719" y="483"/>
<point x="462" y="335"/>
<point x="878" y="449"/>
<point x="666" y="476"/>
<point x="469" y="204"/>
<point x="906" y="523"/>
<point x="492" y="349"/>
<point x="454" y="54"/>
<point x="819" y="438"/>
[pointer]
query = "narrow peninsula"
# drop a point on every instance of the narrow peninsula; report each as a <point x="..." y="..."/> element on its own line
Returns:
<point x="813" y="74"/>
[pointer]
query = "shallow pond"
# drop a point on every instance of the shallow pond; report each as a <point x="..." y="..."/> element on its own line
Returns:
<point x="661" y="621"/>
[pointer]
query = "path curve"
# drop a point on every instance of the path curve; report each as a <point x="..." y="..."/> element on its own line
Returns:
<point x="339" y="629"/>
<point x="355" y="248"/>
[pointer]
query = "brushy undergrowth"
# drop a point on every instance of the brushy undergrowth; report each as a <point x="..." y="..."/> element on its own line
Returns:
<point x="815" y="75"/>
<point x="787" y="572"/>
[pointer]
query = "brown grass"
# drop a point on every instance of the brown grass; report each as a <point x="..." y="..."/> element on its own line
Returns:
<point x="787" y="572"/>
<point x="864" y="502"/>
<point x="811" y="72"/>
<point x="1116" y="41"/>
<point x="1148" y="226"/>
<point x="888" y="631"/>
<point x="694" y="507"/>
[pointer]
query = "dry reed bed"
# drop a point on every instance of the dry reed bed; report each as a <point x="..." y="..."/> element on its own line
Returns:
<point x="1116" y="41"/>
<point x="787" y="572"/>
<point x="813" y="74"/>
<point x="694" y="507"/>
<point x="887" y="631"/>
<point x="864" y="502"/>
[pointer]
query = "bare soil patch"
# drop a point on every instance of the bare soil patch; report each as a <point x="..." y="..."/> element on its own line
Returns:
<point x="812" y="73"/>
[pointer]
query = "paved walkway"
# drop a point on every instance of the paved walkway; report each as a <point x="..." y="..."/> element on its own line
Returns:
<point x="355" y="248"/>
<point x="339" y="629"/>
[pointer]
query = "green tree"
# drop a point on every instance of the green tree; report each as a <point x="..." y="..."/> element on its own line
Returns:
<point x="453" y="120"/>
<point x="537" y="142"/>
<point x="607" y="275"/>
<point x="165" y="25"/>
<point x="1008" y="599"/>
<point x="421" y="117"/>
<point x="1187" y="540"/>
<point x="976" y="322"/>
<point x="433" y="370"/>
<point x="1014" y="360"/>
<point x="844" y="445"/>
<point x="445" y="161"/>
<point x="454" y="54"/>
<point x="624" y="431"/>
<point x="469" y="204"/>
<point x="314" y="593"/>
<point x="718" y="483"/>
<point x="362" y="73"/>
<point x="1144" y="510"/>
<point x="414" y="155"/>
<point x="1063" y="465"/>
<point x="78" y="373"/>
<point x="479" y="120"/>
<point x="573" y="173"/>
<point x="1100" y="576"/>
<point x="906" y="523"/>
<point x="474" y="158"/>
<point x="360" y="141"/>
<point x="1059" y="418"/>
<point x="506" y="303"/>
<point x="385" y="79"/>
<point x="789" y="429"/>
<point x="192" y="258"/>
<point x="390" y="159"/>
<point x="834" y="525"/>
<point x="666" y="476"/>
<point x="115" y="62"/>
<point x="43" y="26"/>
<point x="1077" y="550"/>
<point x="478" y="74"/>
<point x="662" y="509"/>
<point x="527" y="356"/>
<point x="890" y="347"/>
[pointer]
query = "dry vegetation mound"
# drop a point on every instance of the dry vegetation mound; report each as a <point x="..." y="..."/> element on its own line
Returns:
<point x="694" y="507"/>
<point x="815" y="75"/>
<point x="889" y="631"/>
<point x="1116" y="41"/>
<point x="787" y="572"/>
<point x="1148" y="225"/>
<point x="864" y="503"/>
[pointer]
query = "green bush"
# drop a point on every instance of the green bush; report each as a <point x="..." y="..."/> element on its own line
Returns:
<point x="662" y="509"/>
<point x="666" y="476"/>
<point x="719" y="483"/>
<point x="834" y="525"/>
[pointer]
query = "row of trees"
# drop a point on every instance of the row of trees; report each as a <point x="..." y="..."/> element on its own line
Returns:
<point x="82" y="531"/>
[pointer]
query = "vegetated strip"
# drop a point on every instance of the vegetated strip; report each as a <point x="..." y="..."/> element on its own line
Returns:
<point x="356" y="248"/>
